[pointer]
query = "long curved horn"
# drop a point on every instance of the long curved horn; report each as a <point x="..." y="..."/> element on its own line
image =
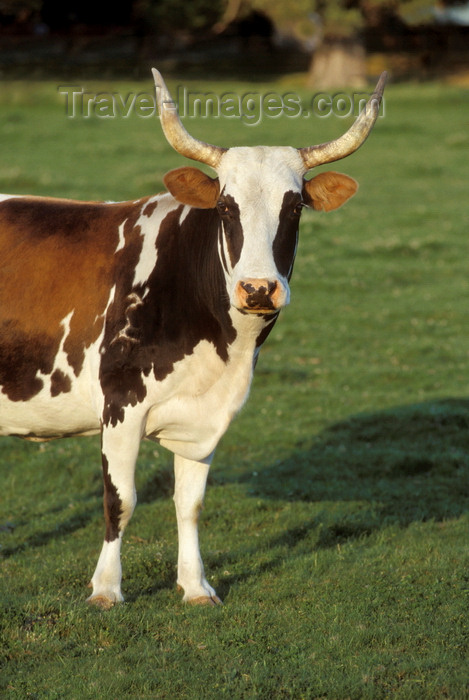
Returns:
<point x="352" y="139"/>
<point x="175" y="133"/>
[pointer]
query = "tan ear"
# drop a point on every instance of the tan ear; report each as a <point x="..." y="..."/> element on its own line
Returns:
<point x="191" y="186"/>
<point x="328" y="191"/>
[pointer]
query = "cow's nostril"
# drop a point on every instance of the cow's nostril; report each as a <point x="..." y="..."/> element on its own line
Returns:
<point x="248" y="287"/>
<point x="272" y="287"/>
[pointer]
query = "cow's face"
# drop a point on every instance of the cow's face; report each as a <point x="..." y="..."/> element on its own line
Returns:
<point x="259" y="195"/>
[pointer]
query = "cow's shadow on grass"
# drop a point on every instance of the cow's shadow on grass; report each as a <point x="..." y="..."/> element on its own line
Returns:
<point x="408" y="464"/>
<point x="411" y="460"/>
<point x="62" y="486"/>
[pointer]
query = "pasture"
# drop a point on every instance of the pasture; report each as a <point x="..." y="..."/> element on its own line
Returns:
<point x="336" y="518"/>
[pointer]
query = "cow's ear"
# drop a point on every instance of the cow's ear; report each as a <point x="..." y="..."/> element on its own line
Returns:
<point x="191" y="186"/>
<point x="328" y="191"/>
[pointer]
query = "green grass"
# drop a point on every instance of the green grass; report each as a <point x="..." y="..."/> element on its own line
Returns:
<point x="336" y="519"/>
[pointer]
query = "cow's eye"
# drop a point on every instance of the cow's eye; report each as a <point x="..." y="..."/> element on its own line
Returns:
<point x="223" y="208"/>
<point x="298" y="208"/>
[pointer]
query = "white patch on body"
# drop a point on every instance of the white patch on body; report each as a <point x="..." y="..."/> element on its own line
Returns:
<point x="150" y="226"/>
<point x="121" y="243"/>
<point x="194" y="405"/>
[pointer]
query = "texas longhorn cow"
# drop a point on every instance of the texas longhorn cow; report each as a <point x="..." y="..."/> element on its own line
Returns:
<point x="145" y="318"/>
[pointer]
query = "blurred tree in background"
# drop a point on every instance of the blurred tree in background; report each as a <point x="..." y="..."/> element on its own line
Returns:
<point x="338" y="30"/>
<point x="170" y="15"/>
<point x="154" y="15"/>
<point x="337" y="34"/>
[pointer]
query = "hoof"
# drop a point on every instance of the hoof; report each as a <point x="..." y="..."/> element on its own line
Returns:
<point x="101" y="601"/>
<point x="205" y="600"/>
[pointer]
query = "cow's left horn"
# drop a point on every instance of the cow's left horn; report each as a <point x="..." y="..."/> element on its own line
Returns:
<point x="177" y="136"/>
<point x="352" y="139"/>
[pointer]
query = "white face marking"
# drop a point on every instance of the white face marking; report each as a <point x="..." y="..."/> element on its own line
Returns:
<point x="258" y="178"/>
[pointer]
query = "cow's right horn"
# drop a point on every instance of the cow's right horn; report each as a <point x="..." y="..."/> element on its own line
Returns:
<point x="175" y="133"/>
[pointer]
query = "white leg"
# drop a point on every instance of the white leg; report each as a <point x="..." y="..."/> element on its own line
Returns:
<point x="119" y="454"/>
<point x="191" y="478"/>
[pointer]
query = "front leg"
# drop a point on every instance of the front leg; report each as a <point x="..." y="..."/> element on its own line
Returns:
<point x="191" y="478"/>
<point x="120" y="445"/>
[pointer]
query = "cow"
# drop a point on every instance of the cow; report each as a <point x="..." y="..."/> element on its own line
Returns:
<point x="144" y="319"/>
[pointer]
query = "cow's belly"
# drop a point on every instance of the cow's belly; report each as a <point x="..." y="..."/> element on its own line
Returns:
<point x="47" y="419"/>
<point x="44" y="416"/>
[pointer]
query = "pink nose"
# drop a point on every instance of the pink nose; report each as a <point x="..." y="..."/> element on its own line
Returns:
<point x="259" y="296"/>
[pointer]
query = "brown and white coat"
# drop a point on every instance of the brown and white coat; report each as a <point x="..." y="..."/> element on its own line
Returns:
<point x="144" y="318"/>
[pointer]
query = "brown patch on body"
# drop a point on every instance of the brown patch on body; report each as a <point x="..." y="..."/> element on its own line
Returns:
<point x="186" y="300"/>
<point x="150" y="208"/>
<point x="57" y="257"/>
<point x="112" y="504"/>
<point x="60" y="383"/>
<point x="122" y="357"/>
<point x="152" y="325"/>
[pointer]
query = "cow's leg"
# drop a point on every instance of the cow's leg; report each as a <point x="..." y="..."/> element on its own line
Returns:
<point x="119" y="455"/>
<point x="191" y="478"/>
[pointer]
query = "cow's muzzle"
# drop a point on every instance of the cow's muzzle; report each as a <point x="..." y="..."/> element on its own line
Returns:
<point x="260" y="296"/>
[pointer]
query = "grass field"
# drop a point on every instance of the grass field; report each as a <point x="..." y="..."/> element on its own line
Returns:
<point x="336" y="518"/>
